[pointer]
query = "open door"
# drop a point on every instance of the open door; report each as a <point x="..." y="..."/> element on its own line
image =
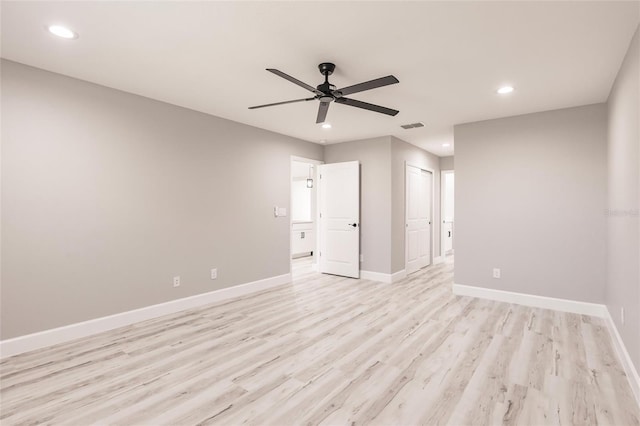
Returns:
<point x="339" y="186"/>
<point x="418" y="215"/>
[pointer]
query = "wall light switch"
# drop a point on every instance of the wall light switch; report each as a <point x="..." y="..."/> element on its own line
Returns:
<point x="214" y="273"/>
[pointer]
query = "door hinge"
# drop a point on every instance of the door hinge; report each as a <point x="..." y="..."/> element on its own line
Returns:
<point x="320" y="175"/>
<point x="320" y="253"/>
<point x="321" y="215"/>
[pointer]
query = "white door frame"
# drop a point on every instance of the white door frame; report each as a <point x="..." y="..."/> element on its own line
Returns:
<point x="443" y="173"/>
<point x="406" y="212"/>
<point x="317" y="214"/>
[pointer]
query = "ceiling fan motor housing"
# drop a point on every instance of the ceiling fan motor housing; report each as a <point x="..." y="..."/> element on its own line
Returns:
<point x="326" y="68"/>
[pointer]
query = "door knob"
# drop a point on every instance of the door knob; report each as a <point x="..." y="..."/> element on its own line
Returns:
<point x="355" y="225"/>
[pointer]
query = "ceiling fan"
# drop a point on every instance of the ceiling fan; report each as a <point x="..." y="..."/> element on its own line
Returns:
<point x="327" y="92"/>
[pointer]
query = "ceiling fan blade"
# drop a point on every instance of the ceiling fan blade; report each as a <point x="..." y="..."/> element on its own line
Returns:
<point x="282" y="103"/>
<point x="368" y="106"/>
<point x="295" y="81"/>
<point x="322" y="112"/>
<point x="368" y="85"/>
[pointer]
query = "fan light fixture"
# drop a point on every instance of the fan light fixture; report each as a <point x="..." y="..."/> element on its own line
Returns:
<point x="505" y="89"/>
<point x="310" y="179"/>
<point x="63" y="32"/>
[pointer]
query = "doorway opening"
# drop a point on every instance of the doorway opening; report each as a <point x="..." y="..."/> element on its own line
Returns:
<point x="447" y="191"/>
<point x="304" y="216"/>
<point x="418" y="218"/>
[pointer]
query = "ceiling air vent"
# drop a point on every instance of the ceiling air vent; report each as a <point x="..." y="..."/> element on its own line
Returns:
<point x="412" y="125"/>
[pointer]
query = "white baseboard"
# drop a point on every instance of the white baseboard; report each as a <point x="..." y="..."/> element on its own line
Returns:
<point x="438" y="259"/>
<point x="397" y="276"/>
<point x="66" y="333"/>
<point x="382" y="277"/>
<point x="625" y="358"/>
<point x="375" y="276"/>
<point x="563" y="305"/>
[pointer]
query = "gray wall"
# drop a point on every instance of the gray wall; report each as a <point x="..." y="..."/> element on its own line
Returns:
<point x="623" y="271"/>
<point x="374" y="156"/>
<point x="530" y="195"/>
<point x="107" y="195"/>
<point x="401" y="153"/>
<point x="446" y="163"/>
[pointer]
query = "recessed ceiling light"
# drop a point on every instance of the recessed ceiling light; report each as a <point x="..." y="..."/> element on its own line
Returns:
<point x="61" y="31"/>
<point x="326" y="126"/>
<point x="446" y="144"/>
<point x="505" y="89"/>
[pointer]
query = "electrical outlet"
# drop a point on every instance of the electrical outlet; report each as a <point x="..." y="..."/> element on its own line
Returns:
<point x="214" y="273"/>
<point x="176" y="281"/>
<point x="622" y="315"/>
<point x="496" y="272"/>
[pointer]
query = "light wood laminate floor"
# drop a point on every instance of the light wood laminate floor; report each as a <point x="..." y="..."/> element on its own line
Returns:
<point x="301" y="266"/>
<point x="335" y="351"/>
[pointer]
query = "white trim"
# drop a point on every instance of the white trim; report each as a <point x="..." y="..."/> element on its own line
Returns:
<point x="438" y="259"/>
<point x="382" y="277"/>
<point x="375" y="276"/>
<point x="625" y="358"/>
<point x="306" y="160"/>
<point x="563" y="305"/>
<point x="78" y="330"/>
<point x="397" y="276"/>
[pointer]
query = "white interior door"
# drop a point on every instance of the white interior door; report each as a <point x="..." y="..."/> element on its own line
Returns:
<point x="418" y="218"/>
<point x="339" y="187"/>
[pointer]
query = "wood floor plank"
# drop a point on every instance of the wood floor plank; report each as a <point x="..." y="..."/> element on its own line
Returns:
<point x="331" y="350"/>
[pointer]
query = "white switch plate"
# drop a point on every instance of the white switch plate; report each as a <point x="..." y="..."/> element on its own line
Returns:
<point x="214" y="273"/>
<point x="496" y="272"/>
<point x="176" y="281"/>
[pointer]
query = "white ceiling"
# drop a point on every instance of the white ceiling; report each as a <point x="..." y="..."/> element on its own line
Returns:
<point x="450" y="57"/>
